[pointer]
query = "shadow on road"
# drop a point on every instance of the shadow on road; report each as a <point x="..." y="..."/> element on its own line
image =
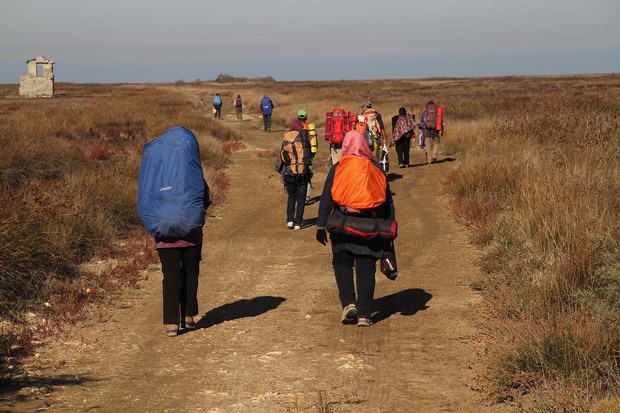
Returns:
<point x="15" y="382"/>
<point x="239" y="309"/>
<point x="406" y="302"/>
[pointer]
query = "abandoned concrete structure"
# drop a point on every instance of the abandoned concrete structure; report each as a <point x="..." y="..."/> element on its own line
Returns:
<point x="40" y="78"/>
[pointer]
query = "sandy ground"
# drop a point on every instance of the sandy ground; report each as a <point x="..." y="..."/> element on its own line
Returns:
<point x="269" y="336"/>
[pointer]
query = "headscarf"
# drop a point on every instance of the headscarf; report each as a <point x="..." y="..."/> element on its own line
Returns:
<point x="354" y="143"/>
<point x="404" y="124"/>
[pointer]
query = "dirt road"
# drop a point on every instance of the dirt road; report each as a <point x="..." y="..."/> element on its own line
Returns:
<point x="269" y="337"/>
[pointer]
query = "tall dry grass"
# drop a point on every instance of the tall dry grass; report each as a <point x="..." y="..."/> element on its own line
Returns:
<point x="552" y="168"/>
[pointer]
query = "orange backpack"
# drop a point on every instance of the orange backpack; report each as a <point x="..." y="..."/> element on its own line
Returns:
<point x="358" y="184"/>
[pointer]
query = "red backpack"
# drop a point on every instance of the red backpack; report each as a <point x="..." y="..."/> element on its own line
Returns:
<point x="337" y="124"/>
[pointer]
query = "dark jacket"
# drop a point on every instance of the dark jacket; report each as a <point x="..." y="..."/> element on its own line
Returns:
<point x="343" y="242"/>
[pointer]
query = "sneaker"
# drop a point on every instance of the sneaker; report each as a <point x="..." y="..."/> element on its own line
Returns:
<point x="297" y="227"/>
<point x="190" y="324"/>
<point x="349" y="314"/>
<point x="402" y="166"/>
<point x="364" y="322"/>
<point x="172" y="330"/>
<point x="289" y="225"/>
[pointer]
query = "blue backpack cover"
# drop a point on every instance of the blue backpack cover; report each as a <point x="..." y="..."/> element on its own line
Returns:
<point x="171" y="185"/>
<point x="217" y="100"/>
<point x="266" y="106"/>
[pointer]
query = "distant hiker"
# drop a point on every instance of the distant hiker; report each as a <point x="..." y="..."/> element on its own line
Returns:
<point x="431" y="126"/>
<point x="238" y="105"/>
<point x="403" y="129"/>
<point x="217" y="105"/>
<point x="294" y="163"/>
<point x="356" y="180"/>
<point x="172" y="200"/>
<point x="266" y="106"/>
<point x="302" y="116"/>
<point x="376" y="130"/>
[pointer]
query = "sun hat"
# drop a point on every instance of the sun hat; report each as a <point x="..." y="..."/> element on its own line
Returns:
<point x="366" y="104"/>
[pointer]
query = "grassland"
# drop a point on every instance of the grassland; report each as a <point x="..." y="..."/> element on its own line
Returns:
<point x="538" y="187"/>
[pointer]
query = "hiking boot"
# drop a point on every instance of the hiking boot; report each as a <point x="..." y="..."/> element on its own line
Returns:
<point x="349" y="314"/>
<point x="190" y="324"/>
<point x="289" y="225"/>
<point x="364" y="322"/>
<point x="172" y="330"/>
<point x="297" y="227"/>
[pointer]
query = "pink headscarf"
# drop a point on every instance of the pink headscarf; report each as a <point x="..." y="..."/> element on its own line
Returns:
<point x="354" y="143"/>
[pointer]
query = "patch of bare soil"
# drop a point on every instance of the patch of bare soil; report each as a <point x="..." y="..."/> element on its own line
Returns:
<point x="269" y="337"/>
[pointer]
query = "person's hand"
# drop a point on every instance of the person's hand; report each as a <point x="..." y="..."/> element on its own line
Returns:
<point x="321" y="236"/>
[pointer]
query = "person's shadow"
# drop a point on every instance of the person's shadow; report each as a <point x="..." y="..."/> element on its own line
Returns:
<point x="407" y="302"/>
<point x="239" y="309"/>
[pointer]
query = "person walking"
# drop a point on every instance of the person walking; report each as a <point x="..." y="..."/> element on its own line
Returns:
<point x="295" y="161"/>
<point x="431" y="125"/>
<point x="403" y="129"/>
<point x="266" y="106"/>
<point x="217" y="105"/>
<point x="238" y="105"/>
<point x="349" y="251"/>
<point x="173" y="197"/>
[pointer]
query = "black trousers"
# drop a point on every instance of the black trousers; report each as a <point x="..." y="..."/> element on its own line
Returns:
<point x="365" y="268"/>
<point x="180" y="267"/>
<point x="403" y="146"/>
<point x="296" y="202"/>
<point x="218" y="111"/>
<point x="267" y="122"/>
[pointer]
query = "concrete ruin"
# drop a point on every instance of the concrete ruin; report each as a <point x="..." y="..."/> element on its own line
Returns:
<point x="39" y="82"/>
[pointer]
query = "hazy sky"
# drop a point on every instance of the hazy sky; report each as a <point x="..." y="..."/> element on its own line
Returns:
<point x="169" y="40"/>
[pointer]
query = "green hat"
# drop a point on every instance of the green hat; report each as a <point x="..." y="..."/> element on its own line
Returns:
<point x="302" y="114"/>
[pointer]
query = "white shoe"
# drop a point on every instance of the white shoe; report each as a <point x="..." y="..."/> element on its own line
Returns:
<point x="297" y="227"/>
<point x="289" y="225"/>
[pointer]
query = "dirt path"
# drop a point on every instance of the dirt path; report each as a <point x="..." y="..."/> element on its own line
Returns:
<point x="269" y="337"/>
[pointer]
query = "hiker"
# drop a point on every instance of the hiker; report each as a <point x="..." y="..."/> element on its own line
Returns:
<point x="217" y="106"/>
<point x="348" y="250"/>
<point x="266" y="106"/>
<point x="238" y="105"/>
<point x="431" y="126"/>
<point x="376" y="130"/>
<point x="173" y="197"/>
<point x="293" y="163"/>
<point x="302" y="116"/>
<point x="403" y="129"/>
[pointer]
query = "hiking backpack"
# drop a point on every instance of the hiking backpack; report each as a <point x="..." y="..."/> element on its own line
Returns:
<point x="171" y="185"/>
<point x="430" y="119"/>
<point x="293" y="154"/>
<point x="266" y="106"/>
<point x="217" y="101"/>
<point x="370" y="118"/>
<point x="358" y="184"/>
<point x="238" y="103"/>
<point x="337" y="124"/>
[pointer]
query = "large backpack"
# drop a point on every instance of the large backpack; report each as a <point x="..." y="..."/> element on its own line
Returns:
<point x="358" y="184"/>
<point x="266" y="106"/>
<point x="293" y="153"/>
<point x="217" y="101"/>
<point x="430" y="119"/>
<point x="337" y="123"/>
<point x="171" y="185"/>
<point x="238" y="103"/>
<point x="370" y="118"/>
